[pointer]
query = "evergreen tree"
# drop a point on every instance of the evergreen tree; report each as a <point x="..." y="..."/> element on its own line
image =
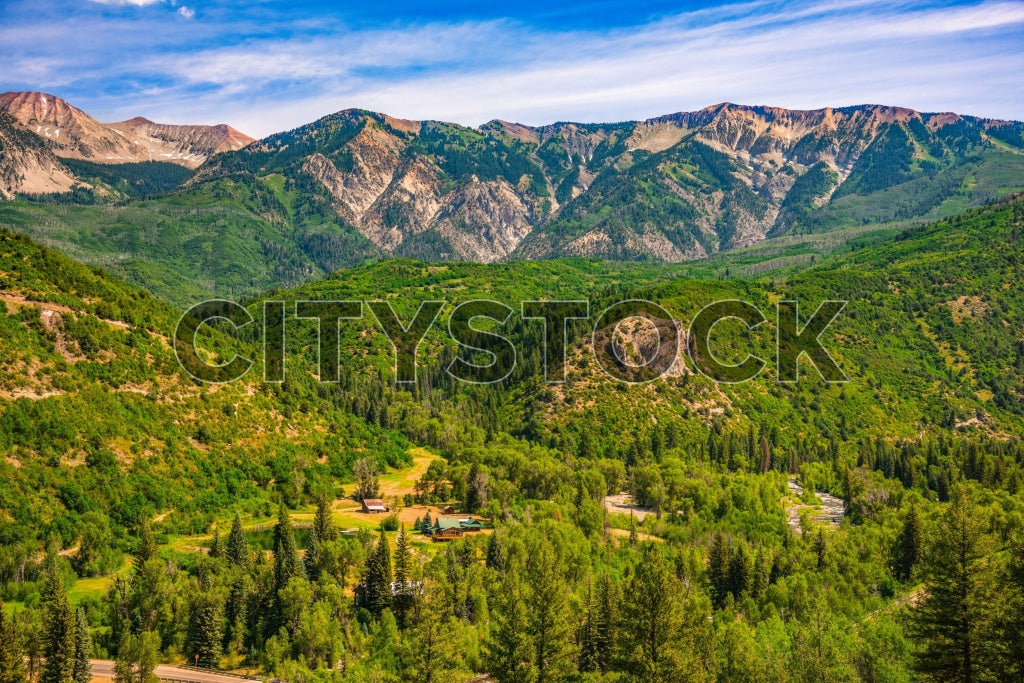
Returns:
<point x="323" y="532"/>
<point x="719" y="557"/>
<point x="472" y="502"/>
<point x="655" y="618"/>
<point x="403" y="574"/>
<point x="377" y="584"/>
<point x="819" y="549"/>
<point x="739" y="572"/>
<point x="314" y="554"/>
<point x="548" y="615"/>
<point x="909" y="546"/>
<point x="82" y="671"/>
<point x="508" y="651"/>
<point x="58" y="630"/>
<point x="237" y="550"/>
<point x="12" y="661"/>
<point x="403" y="558"/>
<point x="759" y="582"/>
<point x="434" y="639"/>
<point x="323" y="523"/>
<point x="287" y="563"/>
<point x="203" y="633"/>
<point x="633" y="537"/>
<point x="146" y="548"/>
<point x="496" y="554"/>
<point x="1010" y="623"/>
<point x="950" y="620"/>
<point x="606" y="622"/>
<point x="587" y="636"/>
<point x="216" y="550"/>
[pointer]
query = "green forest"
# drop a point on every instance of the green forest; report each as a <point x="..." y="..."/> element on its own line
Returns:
<point x="678" y="530"/>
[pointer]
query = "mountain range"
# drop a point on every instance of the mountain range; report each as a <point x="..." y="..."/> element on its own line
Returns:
<point x="70" y="133"/>
<point x="357" y="184"/>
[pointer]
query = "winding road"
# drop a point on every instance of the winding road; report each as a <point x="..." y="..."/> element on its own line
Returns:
<point x="105" y="669"/>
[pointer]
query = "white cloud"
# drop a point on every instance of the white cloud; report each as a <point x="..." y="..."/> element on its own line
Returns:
<point x="806" y="55"/>
<point x="187" y="12"/>
<point x="134" y="3"/>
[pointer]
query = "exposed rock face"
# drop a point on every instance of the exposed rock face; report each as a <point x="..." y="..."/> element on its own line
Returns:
<point x="71" y="133"/>
<point x="672" y="188"/>
<point x="27" y="165"/>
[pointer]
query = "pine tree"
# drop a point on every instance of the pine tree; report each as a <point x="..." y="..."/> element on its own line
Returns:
<point x="950" y="620"/>
<point x="434" y="639"/>
<point x="1010" y="621"/>
<point x="655" y="617"/>
<point x="508" y="651"/>
<point x="58" y="629"/>
<point x="472" y="502"/>
<point x="403" y="601"/>
<point x="323" y="532"/>
<point x="323" y="524"/>
<point x="548" y="615"/>
<point x="235" y="613"/>
<point x="82" y="671"/>
<point x="819" y="549"/>
<point x="203" y="633"/>
<point x="146" y="548"/>
<point x="216" y="550"/>
<point x="718" y="569"/>
<point x="237" y="550"/>
<point x="314" y="554"/>
<point x="496" y="554"/>
<point x="739" y="572"/>
<point x="909" y="546"/>
<point x="587" y="636"/>
<point x="287" y="563"/>
<point x="12" y="661"/>
<point x="759" y="582"/>
<point x="633" y="537"/>
<point x="607" y="621"/>
<point x="403" y="558"/>
<point x="377" y="584"/>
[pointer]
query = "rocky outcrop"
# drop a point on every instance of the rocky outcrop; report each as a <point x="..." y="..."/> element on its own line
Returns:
<point x="73" y="134"/>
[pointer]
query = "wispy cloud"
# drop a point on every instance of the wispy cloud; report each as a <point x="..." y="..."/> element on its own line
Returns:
<point x="135" y="3"/>
<point x="964" y="58"/>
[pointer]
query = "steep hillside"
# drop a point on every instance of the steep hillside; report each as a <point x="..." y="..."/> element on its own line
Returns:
<point x="72" y="133"/>
<point x="356" y="185"/>
<point x="98" y="422"/>
<point x="671" y="188"/>
<point x="27" y="165"/>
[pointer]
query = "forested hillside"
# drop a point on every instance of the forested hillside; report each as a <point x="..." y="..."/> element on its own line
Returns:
<point x="357" y="185"/>
<point x="663" y="531"/>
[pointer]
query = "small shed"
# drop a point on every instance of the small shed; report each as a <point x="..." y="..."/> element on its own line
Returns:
<point x="373" y="505"/>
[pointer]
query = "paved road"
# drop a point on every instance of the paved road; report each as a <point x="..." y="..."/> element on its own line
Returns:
<point x="101" y="667"/>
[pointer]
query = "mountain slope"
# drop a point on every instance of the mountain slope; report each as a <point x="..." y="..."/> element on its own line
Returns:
<point x="356" y="185"/>
<point x="27" y="165"/>
<point x="671" y="188"/>
<point x="99" y="422"/>
<point x="72" y="133"/>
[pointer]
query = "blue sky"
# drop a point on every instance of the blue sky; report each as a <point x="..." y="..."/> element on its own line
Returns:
<point x="265" y="65"/>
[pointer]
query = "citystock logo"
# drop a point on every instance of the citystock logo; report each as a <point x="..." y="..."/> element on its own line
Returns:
<point x="633" y="341"/>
